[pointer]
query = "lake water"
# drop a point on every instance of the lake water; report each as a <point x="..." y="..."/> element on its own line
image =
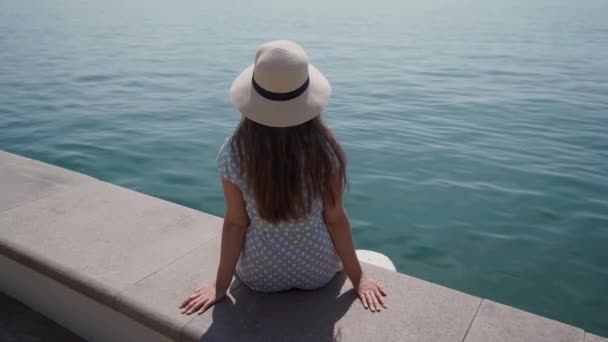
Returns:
<point x="476" y="130"/>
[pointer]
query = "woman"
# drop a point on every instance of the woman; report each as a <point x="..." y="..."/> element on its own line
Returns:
<point x="283" y="175"/>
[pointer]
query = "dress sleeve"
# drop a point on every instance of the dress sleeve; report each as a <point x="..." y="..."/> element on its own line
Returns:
<point x="227" y="163"/>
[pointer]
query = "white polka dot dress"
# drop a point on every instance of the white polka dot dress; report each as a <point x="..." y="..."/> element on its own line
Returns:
<point x="285" y="255"/>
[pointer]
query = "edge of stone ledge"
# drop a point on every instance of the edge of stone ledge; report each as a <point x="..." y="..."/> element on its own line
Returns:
<point x="31" y="168"/>
<point x="71" y="278"/>
<point x="30" y="258"/>
<point x="97" y="291"/>
<point x="589" y="337"/>
<point x="110" y="297"/>
<point x="59" y="273"/>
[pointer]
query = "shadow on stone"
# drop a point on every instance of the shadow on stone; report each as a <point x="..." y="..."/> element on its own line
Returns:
<point x="295" y="315"/>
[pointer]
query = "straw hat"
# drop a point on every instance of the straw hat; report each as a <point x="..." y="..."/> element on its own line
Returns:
<point x="281" y="88"/>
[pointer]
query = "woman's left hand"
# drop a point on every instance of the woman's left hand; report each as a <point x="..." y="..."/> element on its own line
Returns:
<point x="202" y="299"/>
<point x="370" y="292"/>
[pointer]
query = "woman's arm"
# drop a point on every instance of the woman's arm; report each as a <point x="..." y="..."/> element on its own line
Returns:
<point x="338" y="225"/>
<point x="234" y="229"/>
<point x="236" y="222"/>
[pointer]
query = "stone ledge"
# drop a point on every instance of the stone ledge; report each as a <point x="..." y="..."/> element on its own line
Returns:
<point x="497" y="322"/>
<point x="135" y="257"/>
<point x="594" y="338"/>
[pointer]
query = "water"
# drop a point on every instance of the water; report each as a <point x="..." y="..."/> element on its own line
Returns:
<point x="476" y="130"/>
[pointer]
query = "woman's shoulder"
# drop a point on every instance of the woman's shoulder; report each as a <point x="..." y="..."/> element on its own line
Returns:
<point x="227" y="149"/>
<point x="227" y="160"/>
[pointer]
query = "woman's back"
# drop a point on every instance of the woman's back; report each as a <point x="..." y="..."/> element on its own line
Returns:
<point x="296" y="253"/>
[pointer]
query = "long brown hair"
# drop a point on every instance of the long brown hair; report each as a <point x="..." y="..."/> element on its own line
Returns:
<point x="287" y="168"/>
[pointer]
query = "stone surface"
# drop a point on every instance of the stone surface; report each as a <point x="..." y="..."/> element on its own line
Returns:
<point x="24" y="180"/>
<point x="417" y="311"/>
<point x="594" y="338"/>
<point x="21" y="323"/>
<point x="154" y="300"/>
<point x="22" y="189"/>
<point x="284" y="316"/>
<point x="104" y="237"/>
<point x="498" y="322"/>
<point x="39" y="170"/>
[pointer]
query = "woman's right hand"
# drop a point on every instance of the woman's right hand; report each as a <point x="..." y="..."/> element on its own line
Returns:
<point x="202" y="299"/>
<point x="371" y="294"/>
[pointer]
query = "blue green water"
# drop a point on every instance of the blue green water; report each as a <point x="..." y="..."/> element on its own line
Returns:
<point x="476" y="130"/>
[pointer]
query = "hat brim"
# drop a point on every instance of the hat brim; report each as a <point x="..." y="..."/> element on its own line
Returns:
<point x="280" y="113"/>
